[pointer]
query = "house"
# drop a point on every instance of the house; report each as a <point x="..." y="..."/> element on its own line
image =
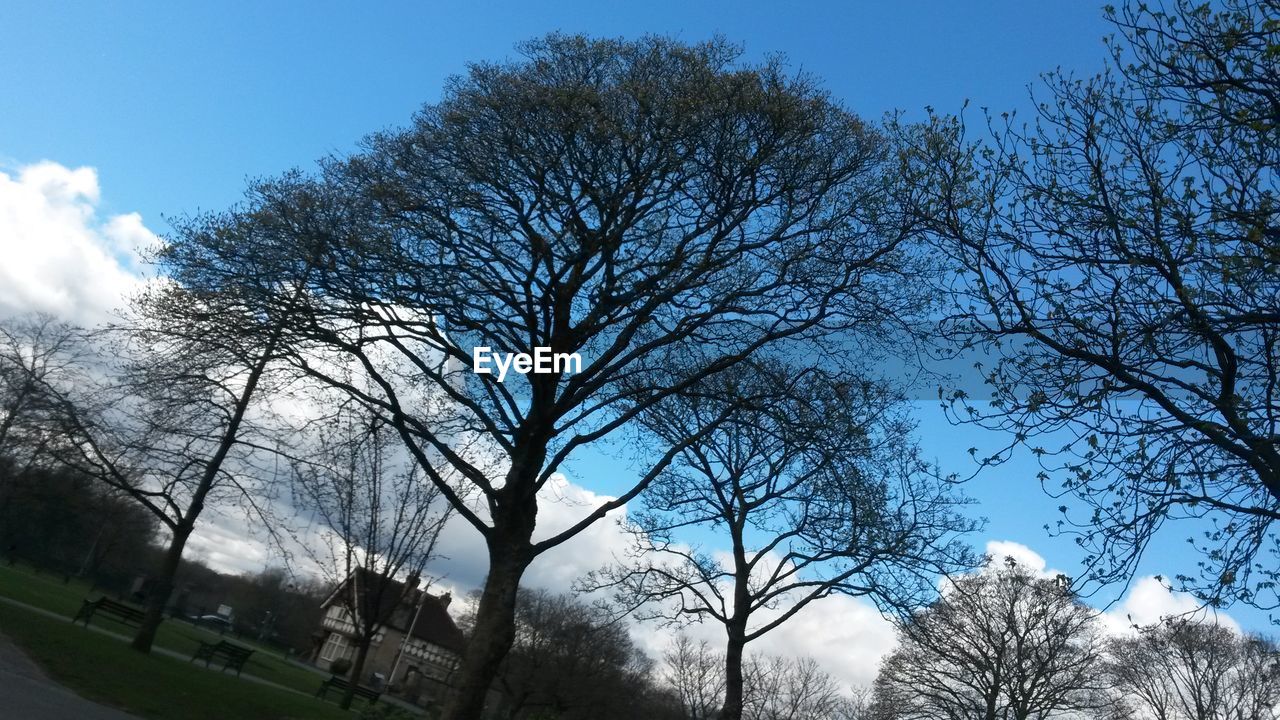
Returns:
<point x="415" y="651"/>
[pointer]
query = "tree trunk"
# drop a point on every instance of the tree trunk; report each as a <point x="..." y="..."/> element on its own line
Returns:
<point x="173" y="557"/>
<point x="161" y="589"/>
<point x="493" y="635"/>
<point x="733" y="682"/>
<point x="736" y="628"/>
<point x="357" y="671"/>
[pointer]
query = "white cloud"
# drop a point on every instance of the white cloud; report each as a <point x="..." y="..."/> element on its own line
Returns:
<point x="562" y="503"/>
<point x="998" y="550"/>
<point x="57" y="253"/>
<point x="227" y="543"/>
<point x="847" y="636"/>
<point x="1149" y="601"/>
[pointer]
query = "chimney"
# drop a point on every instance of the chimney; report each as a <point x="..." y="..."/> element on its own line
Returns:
<point x="413" y="580"/>
<point x="445" y="599"/>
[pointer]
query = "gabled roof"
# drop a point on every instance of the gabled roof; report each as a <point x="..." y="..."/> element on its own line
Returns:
<point x="433" y="623"/>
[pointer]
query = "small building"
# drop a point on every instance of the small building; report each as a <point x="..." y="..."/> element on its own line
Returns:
<point x="416" y="650"/>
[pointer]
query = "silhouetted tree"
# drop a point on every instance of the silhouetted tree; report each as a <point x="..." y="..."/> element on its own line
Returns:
<point x="1000" y="645"/>
<point x="660" y="209"/>
<point x="811" y="479"/>
<point x="781" y="688"/>
<point x="775" y="687"/>
<point x="171" y="414"/>
<point x="571" y="661"/>
<point x="1121" y="273"/>
<point x="276" y="605"/>
<point x="1184" y="669"/>
<point x="59" y="520"/>
<point x="696" y="671"/>
<point x="36" y="352"/>
<point x="379" y="519"/>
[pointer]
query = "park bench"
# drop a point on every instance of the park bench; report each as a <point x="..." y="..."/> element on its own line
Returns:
<point x="232" y="656"/>
<point x="341" y="685"/>
<point x="124" y="613"/>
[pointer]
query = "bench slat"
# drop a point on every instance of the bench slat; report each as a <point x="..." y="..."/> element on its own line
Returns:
<point x="124" y="613"/>
<point x="234" y="656"/>
<point x="341" y="685"/>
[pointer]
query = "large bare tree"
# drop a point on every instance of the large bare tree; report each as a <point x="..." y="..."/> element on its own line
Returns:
<point x="1121" y="279"/>
<point x="662" y="210"/>
<point x="810" y="480"/>
<point x="1188" y="669"/>
<point x="1000" y="645"/>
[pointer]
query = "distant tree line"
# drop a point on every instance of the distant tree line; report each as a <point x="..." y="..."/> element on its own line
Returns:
<point x="58" y="522"/>
<point x="1009" y="644"/>
<point x="63" y="522"/>
<point x="1005" y="643"/>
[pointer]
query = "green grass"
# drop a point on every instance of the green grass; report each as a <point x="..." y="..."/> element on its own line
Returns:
<point x="105" y="669"/>
<point x="51" y="593"/>
<point x="64" y="598"/>
<point x="45" y="591"/>
<point x="266" y="663"/>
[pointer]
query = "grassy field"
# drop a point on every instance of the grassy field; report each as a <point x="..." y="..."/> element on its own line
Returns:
<point x="51" y="593"/>
<point x="107" y="670"/>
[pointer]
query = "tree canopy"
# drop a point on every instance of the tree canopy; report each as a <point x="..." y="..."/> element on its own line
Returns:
<point x="661" y="209"/>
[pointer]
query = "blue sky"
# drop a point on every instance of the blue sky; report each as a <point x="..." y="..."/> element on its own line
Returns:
<point x="176" y="104"/>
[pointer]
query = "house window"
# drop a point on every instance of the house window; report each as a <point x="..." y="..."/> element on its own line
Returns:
<point x="335" y="646"/>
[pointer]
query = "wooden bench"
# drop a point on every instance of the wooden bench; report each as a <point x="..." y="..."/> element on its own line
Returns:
<point x="126" y="614"/>
<point x="232" y="655"/>
<point x="341" y="685"/>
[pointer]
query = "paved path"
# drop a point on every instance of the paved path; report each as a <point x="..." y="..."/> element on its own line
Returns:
<point x="27" y="693"/>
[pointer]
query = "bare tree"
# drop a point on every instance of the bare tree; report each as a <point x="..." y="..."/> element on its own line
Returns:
<point x="658" y="211"/>
<point x="172" y="416"/>
<point x="1184" y="669"/>
<point x="379" y="520"/>
<point x="1121" y="274"/>
<point x="781" y="688"/>
<point x="696" y="671"/>
<point x="1000" y="645"/>
<point x="814" y="484"/>
<point x="36" y="352"/>
<point x="859" y="705"/>
<point x="776" y="687"/>
<point x="573" y="661"/>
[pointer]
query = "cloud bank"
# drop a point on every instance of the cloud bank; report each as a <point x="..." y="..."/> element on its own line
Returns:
<point x="60" y="254"/>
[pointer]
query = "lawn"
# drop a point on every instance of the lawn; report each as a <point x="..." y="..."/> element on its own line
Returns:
<point x="51" y="593"/>
<point x="46" y="591"/>
<point x="105" y="669"/>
